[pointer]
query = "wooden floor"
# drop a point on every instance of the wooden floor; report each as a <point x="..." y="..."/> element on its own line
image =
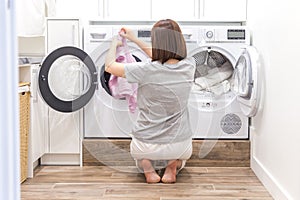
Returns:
<point x="101" y="182"/>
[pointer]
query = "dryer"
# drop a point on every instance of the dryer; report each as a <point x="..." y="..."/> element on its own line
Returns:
<point x="225" y="94"/>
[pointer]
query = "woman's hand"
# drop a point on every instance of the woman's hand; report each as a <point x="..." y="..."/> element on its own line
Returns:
<point x="111" y="66"/>
<point x="116" y="42"/>
<point x="128" y="34"/>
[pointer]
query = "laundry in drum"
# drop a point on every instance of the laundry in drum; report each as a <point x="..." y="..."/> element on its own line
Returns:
<point x="213" y="71"/>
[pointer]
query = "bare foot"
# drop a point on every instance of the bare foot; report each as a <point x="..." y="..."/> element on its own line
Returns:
<point x="170" y="172"/>
<point x="149" y="172"/>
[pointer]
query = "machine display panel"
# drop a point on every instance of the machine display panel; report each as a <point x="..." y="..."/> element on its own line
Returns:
<point x="236" y="34"/>
<point x="144" y="33"/>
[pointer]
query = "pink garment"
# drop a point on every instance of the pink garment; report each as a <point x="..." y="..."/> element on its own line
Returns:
<point x="119" y="87"/>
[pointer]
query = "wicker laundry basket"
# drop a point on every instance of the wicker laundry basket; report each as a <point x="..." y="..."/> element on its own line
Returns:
<point x="24" y="98"/>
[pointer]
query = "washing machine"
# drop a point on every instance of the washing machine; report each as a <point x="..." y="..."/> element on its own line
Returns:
<point x="225" y="94"/>
<point x="105" y="116"/>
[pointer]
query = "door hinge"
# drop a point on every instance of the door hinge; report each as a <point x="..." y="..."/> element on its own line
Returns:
<point x="8" y="4"/>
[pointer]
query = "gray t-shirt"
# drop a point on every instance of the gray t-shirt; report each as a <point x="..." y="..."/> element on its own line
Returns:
<point x="162" y="98"/>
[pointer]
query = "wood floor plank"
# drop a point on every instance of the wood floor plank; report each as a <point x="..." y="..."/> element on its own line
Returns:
<point x="105" y="183"/>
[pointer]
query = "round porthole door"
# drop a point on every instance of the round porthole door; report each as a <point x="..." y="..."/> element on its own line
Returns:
<point x="67" y="79"/>
<point x="245" y="81"/>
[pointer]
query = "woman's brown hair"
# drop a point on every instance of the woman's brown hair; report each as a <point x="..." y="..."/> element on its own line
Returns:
<point x="167" y="41"/>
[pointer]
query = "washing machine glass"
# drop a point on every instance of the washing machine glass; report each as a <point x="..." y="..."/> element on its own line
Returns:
<point x="67" y="79"/>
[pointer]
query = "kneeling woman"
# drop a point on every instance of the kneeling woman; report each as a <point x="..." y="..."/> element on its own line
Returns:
<point x="162" y="131"/>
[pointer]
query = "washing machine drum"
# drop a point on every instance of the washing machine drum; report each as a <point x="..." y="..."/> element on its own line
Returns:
<point x="207" y="60"/>
<point x="215" y="59"/>
<point x="105" y="76"/>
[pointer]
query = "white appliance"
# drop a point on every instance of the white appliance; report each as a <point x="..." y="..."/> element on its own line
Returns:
<point x="105" y="116"/>
<point x="222" y="110"/>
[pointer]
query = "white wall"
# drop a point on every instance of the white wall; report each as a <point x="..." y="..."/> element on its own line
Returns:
<point x="276" y="140"/>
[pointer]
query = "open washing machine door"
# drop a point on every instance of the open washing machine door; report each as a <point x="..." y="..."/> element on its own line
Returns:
<point x="245" y="81"/>
<point x="67" y="79"/>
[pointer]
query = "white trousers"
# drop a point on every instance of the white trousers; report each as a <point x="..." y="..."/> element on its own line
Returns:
<point x="159" y="154"/>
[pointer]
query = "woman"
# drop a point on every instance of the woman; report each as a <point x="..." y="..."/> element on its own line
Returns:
<point x="162" y="132"/>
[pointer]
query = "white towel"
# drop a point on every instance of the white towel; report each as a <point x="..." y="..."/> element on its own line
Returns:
<point x="31" y="16"/>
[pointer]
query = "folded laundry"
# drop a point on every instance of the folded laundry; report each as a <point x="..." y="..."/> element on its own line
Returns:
<point x="119" y="87"/>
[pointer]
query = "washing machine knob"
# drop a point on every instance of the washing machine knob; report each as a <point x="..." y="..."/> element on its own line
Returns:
<point x="209" y="34"/>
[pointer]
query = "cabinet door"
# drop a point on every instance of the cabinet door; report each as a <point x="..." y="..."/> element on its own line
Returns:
<point x="64" y="132"/>
<point x="223" y="10"/>
<point x="127" y="10"/>
<point x="64" y="128"/>
<point x="81" y="9"/>
<point x="38" y="112"/>
<point x="174" y="9"/>
<point x="61" y="32"/>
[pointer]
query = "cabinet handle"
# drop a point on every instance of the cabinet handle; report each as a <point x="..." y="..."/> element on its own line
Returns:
<point x="101" y="9"/>
<point x="105" y="9"/>
<point x="107" y="2"/>
<point x="202" y="9"/>
<point x="195" y="8"/>
<point x="8" y="4"/>
<point x="73" y="34"/>
<point x="34" y="83"/>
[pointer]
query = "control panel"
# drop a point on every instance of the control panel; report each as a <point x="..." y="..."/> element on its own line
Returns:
<point x="234" y="34"/>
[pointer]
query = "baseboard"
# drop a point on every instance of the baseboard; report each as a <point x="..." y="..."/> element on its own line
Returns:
<point x="271" y="184"/>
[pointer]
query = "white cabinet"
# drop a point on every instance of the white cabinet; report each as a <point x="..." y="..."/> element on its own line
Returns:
<point x="80" y="9"/>
<point x="37" y="140"/>
<point x="63" y="128"/>
<point x="223" y="10"/>
<point x="39" y="111"/>
<point x="175" y="9"/>
<point x="62" y="32"/>
<point x="179" y="10"/>
<point x="64" y="132"/>
<point x="127" y="10"/>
